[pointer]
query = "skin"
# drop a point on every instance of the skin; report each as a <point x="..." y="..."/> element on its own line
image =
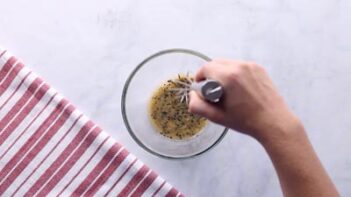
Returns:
<point x="252" y="105"/>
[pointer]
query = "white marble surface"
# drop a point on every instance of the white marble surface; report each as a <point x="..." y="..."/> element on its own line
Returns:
<point x="87" y="48"/>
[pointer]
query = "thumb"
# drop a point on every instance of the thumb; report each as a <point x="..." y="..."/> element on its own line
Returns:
<point x="202" y="108"/>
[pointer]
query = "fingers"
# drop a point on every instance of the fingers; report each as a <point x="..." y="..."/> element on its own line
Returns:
<point x="228" y="62"/>
<point x="202" y="108"/>
<point x="207" y="71"/>
<point x="201" y="74"/>
<point x="215" y="68"/>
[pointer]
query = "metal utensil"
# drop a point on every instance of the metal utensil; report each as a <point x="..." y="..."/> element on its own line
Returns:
<point x="209" y="89"/>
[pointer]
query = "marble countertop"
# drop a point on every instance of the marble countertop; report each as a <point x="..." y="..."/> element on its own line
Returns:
<point x="87" y="48"/>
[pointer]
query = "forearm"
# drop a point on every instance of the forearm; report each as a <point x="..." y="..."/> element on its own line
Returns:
<point x="252" y="105"/>
<point x="299" y="169"/>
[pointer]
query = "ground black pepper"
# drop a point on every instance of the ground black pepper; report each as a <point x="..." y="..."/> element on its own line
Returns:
<point x="170" y="116"/>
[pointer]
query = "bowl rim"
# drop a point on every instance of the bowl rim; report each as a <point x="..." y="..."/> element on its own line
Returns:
<point x="124" y="94"/>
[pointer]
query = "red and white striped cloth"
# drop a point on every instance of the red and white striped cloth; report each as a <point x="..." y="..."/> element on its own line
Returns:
<point x="49" y="148"/>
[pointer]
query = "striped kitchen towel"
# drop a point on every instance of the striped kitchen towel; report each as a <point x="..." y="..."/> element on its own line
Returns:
<point x="49" y="148"/>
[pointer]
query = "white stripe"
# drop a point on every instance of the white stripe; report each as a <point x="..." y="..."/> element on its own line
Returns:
<point x="15" y="82"/>
<point x="82" y="159"/>
<point x="85" y="172"/>
<point x="81" y="162"/>
<point x="147" y="174"/>
<point x="30" y="131"/>
<point x="4" y="58"/>
<point x="102" y="171"/>
<point x="29" y="118"/>
<point x="53" y="156"/>
<point x="116" y="175"/>
<point x="1" y="50"/>
<point x="9" y="71"/>
<point x="23" y="106"/>
<point x="41" y="155"/>
<point x="153" y="187"/>
<point x="164" y="190"/>
<point x="65" y="160"/>
<point x="16" y="96"/>
<point x="37" y="141"/>
<point x="124" y="181"/>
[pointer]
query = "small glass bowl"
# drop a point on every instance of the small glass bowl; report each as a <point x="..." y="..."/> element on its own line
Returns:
<point x="145" y="79"/>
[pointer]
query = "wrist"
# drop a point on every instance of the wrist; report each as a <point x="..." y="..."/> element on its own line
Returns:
<point x="276" y="135"/>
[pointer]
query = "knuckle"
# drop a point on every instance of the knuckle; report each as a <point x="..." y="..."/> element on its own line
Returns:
<point x="261" y="68"/>
<point x="234" y="75"/>
<point x="255" y="66"/>
<point x="244" y="67"/>
<point x="208" y="66"/>
<point x="251" y="65"/>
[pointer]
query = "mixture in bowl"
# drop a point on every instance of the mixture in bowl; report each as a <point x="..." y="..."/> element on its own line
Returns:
<point x="170" y="116"/>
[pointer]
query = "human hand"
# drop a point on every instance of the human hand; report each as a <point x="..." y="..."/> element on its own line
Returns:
<point x="250" y="104"/>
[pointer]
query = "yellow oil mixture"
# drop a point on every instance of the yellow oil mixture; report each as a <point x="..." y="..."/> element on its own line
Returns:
<point x="170" y="116"/>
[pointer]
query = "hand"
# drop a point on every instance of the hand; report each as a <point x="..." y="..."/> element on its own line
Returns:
<point x="250" y="104"/>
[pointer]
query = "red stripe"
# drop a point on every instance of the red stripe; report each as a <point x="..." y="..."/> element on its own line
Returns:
<point x="122" y="175"/>
<point x="86" y="163"/>
<point x="7" y="67"/>
<point x="71" y="161"/>
<point x="47" y="155"/>
<point x="14" y="92"/>
<point x="14" y="72"/>
<point x="61" y="159"/>
<point x="2" y="53"/>
<point x="158" y="189"/>
<point x="24" y="113"/>
<point x="96" y="171"/>
<point x="26" y="147"/>
<point x="107" y="173"/>
<point x="37" y="148"/>
<point x="30" y="124"/>
<point x="134" y="181"/>
<point x="145" y="184"/>
<point x="19" y="104"/>
<point x="172" y="193"/>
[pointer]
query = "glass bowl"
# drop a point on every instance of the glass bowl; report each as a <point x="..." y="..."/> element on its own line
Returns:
<point x="145" y="79"/>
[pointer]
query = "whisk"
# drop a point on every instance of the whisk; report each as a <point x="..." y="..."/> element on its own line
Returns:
<point x="209" y="89"/>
